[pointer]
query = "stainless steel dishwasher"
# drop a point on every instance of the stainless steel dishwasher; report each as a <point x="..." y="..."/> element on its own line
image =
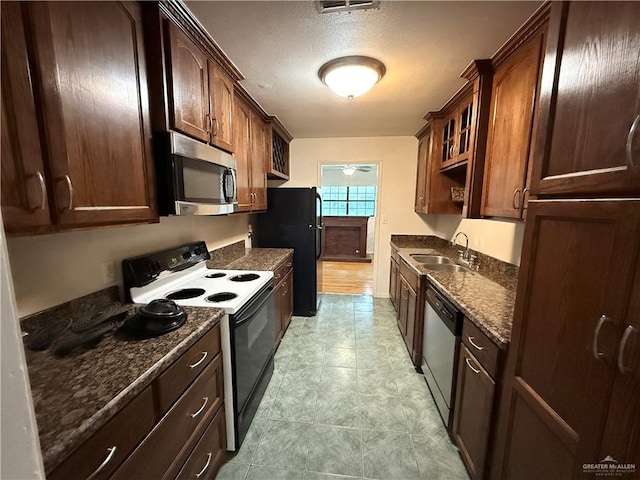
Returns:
<point x="440" y="347"/>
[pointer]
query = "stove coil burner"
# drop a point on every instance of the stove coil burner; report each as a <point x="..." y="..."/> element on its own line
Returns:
<point x="245" y="277"/>
<point x="216" y="275"/>
<point x="221" y="297"/>
<point x="186" y="293"/>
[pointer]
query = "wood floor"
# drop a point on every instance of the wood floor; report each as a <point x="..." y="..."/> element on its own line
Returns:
<point x="355" y="278"/>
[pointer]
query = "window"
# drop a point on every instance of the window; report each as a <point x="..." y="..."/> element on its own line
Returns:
<point x="346" y="200"/>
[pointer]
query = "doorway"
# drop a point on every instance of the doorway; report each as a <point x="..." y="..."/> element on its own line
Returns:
<point x="349" y="202"/>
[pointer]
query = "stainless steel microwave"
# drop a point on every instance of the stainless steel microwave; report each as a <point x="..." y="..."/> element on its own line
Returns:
<point x="193" y="178"/>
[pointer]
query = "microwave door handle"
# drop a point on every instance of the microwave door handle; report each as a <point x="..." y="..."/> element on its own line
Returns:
<point x="235" y="186"/>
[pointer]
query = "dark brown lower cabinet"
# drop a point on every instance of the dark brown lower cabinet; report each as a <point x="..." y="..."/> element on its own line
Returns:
<point x="143" y="442"/>
<point x="570" y="392"/>
<point x="410" y="310"/>
<point x="473" y="412"/>
<point x="283" y="291"/>
<point x="393" y="283"/>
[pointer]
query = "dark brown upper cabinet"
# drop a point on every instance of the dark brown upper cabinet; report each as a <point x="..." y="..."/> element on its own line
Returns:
<point x="89" y="79"/>
<point x="456" y="133"/>
<point x="513" y="110"/>
<point x="25" y="204"/>
<point x="200" y="92"/>
<point x="588" y="140"/>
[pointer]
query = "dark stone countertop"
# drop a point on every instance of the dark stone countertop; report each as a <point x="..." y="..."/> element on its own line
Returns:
<point x="77" y="394"/>
<point x="236" y="257"/>
<point x="486" y="297"/>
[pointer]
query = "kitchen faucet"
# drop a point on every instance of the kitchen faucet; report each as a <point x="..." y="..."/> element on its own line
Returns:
<point x="465" y="255"/>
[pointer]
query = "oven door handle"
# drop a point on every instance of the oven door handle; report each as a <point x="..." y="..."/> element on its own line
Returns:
<point x="239" y="320"/>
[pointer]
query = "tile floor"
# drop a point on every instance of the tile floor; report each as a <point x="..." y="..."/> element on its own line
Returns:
<point x="345" y="402"/>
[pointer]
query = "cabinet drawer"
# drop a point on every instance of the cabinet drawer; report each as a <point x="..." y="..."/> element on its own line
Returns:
<point x="282" y="269"/>
<point x="164" y="450"/>
<point x="205" y="460"/>
<point x="110" y="446"/>
<point x="177" y="378"/>
<point x="485" y="351"/>
<point x="412" y="279"/>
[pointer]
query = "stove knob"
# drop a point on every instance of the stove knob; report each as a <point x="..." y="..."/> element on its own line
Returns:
<point x="186" y="255"/>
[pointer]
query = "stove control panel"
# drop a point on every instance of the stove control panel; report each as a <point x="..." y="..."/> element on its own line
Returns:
<point x="142" y="270"/>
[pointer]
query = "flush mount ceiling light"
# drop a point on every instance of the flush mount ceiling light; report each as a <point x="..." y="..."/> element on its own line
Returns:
<point x="348" y="171"/>
<point x="353" y="76"/>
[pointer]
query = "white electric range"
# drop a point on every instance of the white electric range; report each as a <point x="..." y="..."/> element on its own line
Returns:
<point x="248" y="329"/>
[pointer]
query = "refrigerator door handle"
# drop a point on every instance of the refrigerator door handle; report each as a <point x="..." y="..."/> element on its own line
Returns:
<point x="319" y="227"/>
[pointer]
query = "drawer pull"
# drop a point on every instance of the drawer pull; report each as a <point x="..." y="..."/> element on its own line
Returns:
<point x="278" y="276"/>
<point x="470" y="366"/>
<point x="194" y="415"/>
<point x="204" y="469"/>
<point x="194" y="365"/>
<point x="112" y="452"/>
<point x="478" y="347"/>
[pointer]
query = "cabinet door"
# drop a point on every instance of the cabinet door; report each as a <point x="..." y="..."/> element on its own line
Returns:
<point x="221" y="96"/>
<point x="242" y="152"/>
<point x="410" y="335"/>
<point x="403" y="305"/>
<point x="24" y="193"/>
<point x="91" y="62"/>
<point x="187" y="85"/>
<point x="287" y="300"/>
<point x="621" y="439"/>
<point x="512" y="111"/>
<point x="258" y="165"/>
<point x="393" y="284"/>
<point x="571" y="303"/>
<point x="472" y="414"/>
<point x="590" y="101"/>
<point x="421" y="180"/>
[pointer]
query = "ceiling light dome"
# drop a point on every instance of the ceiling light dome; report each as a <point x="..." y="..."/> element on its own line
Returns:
<point x="353" y="76"/>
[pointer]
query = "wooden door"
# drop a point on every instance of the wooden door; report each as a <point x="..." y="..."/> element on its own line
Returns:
<point x="242" y="152"/>
<point x="513" y="100"/>
<point x="421" y="179"/>
<point x="91" y="64"/>
<point x="590" y="101"/>
<point x="573" y="291"/>
<point x="221" y="98"/>
<point x="187" y="85"/>
<point x="258" y="162"/>
<point x="472" y="413"/>
<point x="25" y="205"/>
<point x="621" y="439"/>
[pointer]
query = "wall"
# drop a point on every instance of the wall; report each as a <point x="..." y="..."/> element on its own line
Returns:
<point x="51" y="269"/>
<point x="397" y="167"/>
<point x="20" y="454"/>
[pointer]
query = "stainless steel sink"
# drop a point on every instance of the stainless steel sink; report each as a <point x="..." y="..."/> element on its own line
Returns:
<point x="450" y="267"/>
<point x="432" y="259"/>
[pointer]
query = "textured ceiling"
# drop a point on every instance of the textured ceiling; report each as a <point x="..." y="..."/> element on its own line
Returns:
<point x="279" y="46"/>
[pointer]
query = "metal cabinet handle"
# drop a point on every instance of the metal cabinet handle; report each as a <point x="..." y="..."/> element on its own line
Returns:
<point x="289" y="264"/>
<point x="515" y="204"/>
<point x="596" y="354"/>
<point x="452" y="150"/>
<point x="632" y="134"/>
<point x="623" y="344"/>
<point x="470" y="366"/>
<point x="207" y="121"/>
<point x="523" y="202"/>
<point x="478" y="347"/>
<point x="204" y="469"/>
<point x="43" y="191"/>
<point x="194" y="365"/>
<point x="194" y="415"/>
<point x="286" y="289"/>
<point x="278" y="275"/>
<point x="112" y="452"/>
<point x="214" y="131"/>
<point x="70" y="187"/>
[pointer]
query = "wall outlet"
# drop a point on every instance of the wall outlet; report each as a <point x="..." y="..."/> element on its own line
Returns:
<point x="383" y="219"/>
<point x="109" y="273"/>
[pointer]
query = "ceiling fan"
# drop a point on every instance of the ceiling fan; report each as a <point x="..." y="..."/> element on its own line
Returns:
<point x="349" y="170"/>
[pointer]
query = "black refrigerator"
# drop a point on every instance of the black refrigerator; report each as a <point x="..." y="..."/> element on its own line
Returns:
<point x="294" y="220"/>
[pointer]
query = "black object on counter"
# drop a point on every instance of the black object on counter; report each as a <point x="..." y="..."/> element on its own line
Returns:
<point x="156" y="318"/>
<point x="294" y="220"/>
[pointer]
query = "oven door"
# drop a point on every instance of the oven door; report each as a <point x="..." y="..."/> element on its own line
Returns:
<point x="253" y="337"/>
